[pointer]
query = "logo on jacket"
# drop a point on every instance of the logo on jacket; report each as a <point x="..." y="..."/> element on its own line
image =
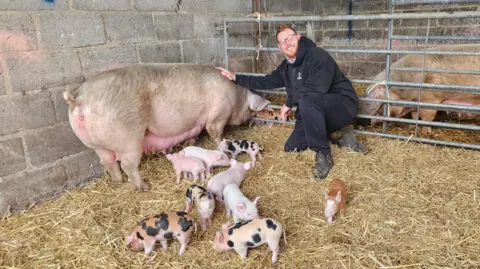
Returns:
<point x="299" y="76"/>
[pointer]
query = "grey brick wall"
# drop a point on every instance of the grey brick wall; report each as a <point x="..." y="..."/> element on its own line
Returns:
<point x="46" y="48"/>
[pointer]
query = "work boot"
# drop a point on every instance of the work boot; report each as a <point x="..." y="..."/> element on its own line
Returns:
<point x="323" y="164"/>
<point x="347" y="140"/>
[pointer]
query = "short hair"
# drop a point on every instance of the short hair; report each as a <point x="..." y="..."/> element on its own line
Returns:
<point x="282" y="27"/>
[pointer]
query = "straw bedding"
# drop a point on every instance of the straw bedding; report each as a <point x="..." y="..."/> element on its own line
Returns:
<point x="408" y="206"/>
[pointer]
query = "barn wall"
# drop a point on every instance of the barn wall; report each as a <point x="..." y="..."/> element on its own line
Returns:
<point x="48" y="47"/>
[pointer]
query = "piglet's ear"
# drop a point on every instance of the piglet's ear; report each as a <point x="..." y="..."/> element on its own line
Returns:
<point x="240" y="207"/>
<point x="129" y="239"/>
<point x="218" y="237"/>
<point x="226" y="225"/>
<point x="338" y="199"/>
<point x="256" y="199"/>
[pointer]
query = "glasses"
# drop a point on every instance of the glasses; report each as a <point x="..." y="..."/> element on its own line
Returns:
<point x="289" y="39"/>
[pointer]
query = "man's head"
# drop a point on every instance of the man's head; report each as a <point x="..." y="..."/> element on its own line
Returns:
<point x="287" y="40"/>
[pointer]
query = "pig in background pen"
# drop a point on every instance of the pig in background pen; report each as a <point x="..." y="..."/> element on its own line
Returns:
<point x="446" y="62"/>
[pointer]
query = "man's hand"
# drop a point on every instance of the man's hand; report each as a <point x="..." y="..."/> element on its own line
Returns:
<point x="226" y="73"/>
<point x="284" y="112"/>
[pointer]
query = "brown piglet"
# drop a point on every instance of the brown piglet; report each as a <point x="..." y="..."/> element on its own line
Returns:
<point x="335" y="199"/>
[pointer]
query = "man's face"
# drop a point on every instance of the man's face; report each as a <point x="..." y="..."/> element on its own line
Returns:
<point x="287" y="42"/>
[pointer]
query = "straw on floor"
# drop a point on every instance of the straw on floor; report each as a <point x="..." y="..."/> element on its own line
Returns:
<point x="409" y="206"/>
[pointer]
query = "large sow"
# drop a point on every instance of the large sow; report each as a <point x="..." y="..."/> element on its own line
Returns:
<point x="446" y="62"/>
<point x="125" y="112"/>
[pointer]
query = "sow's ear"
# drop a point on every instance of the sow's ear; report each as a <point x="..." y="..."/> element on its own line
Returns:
<point x="376" y="91"/>
<point x="256" y="102"/>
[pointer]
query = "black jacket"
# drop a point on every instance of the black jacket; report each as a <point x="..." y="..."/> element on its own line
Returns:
<point x="314" y="70"/>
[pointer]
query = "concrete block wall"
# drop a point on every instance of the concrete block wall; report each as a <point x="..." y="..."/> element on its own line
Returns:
<point x="46" y="48"/>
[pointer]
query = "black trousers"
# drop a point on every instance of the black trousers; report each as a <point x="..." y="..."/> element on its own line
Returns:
<point x="318" y="116"/>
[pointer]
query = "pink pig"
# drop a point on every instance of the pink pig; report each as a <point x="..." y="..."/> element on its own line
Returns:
<point x="211" y="158"/>
<point x="237" y="205"/>
<point x="250" y="234"/>
<point x="235" y="174"/>
<point x="186" y="164"/>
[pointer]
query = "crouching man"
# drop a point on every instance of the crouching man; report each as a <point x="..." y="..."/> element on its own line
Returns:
<point x="326" y="100"/>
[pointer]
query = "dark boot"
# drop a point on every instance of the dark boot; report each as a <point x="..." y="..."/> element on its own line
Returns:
<point x="323" y="164"/>
<point x="347" y="139"/>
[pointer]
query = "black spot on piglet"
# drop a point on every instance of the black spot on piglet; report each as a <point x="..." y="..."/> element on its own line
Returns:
<point x="162" y="223"/>
<point x="230" y="243"/>
<point x="184" y="224"/>
<point x="237" y="225"/>
<point x="152" y="231"/>
<point x="168" y="235"/>
<point x="249" y="244"/>
<point x="271" y="225"/>
<point x="230" y="146"/>
<point x="244" y="144"/>
<point x="139" y="236"/>
<point x="181" y="213"/>
<point x="256" y="238"/>
<point x="189" y="193"/>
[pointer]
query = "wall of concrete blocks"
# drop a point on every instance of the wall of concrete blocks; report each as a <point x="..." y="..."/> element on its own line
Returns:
<point x="47" y="47"/>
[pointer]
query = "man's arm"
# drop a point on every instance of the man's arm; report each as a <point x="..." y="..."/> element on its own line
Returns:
<point x="270" y="81"/>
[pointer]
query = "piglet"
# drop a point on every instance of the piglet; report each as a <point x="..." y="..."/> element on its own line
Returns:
<point x="250" y="234"/>
<point x="238" y="205"/>
<point x="235" y="147"/>
<point x="162" y="227"/>
<point x="335" y="199"/>
<point x="211" y="158"/>
<point x="187" y="164"/>
<point x="266" y="113"/>
<point x="233" y="175"/>
<point x="203" y="201"/>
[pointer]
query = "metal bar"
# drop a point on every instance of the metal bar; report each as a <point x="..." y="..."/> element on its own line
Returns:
<point x="406" y="37"/>
<point x="379" y="51"/>
<point x="225" y="39"/>
<point x="387" y="74"/>
<point x="422" y="122"/>
<point x="414" y="69"/>
<point x="459" y="108"/>
<point x="433" y="2"/>
<point x="431" y="86"/>
<point x="396" y="16"/>
<point x="423" y="104"/>
<point x="421" y="140"/>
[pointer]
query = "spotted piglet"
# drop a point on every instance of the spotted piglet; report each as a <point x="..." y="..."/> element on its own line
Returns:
<point x="235" y="147"/>
<point x="250" y="234"/>
<point x="162" y="227"/>
<point x="204" y="202"/>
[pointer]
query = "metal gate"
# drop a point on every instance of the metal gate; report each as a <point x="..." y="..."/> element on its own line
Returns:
<point x="389" y="52"/>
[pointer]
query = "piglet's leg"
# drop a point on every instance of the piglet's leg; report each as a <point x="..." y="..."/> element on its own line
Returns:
<point x="149" y="245"/>
<point x="179" y="174"/>
<point x="242" y="251"/>
<point x="342" y="212"/>
<point x="260" y="157"/>
<point x="204" y="223"/>
<point x="202" y="174"/>
<point x="274" y="247"/>
<point x="195" y="177"/>
<point x="183" y="239"/>
<point x="227" y="215"/>
<point x="107" y="159"/>
<point x="164" y="243"/>
<point x="185" y="174"/>
<point x="188" y="208"/>
<point x="252" y="156"/>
